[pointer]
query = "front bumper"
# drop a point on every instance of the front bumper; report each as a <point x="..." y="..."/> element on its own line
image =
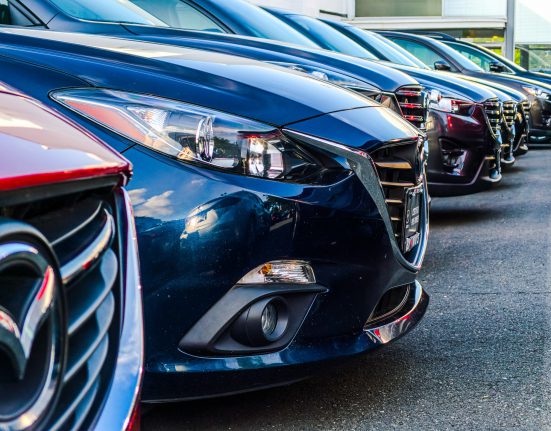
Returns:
<point x="461" y="154"/>
<point x="298" y="361"/>
<point x="342" y="229"/>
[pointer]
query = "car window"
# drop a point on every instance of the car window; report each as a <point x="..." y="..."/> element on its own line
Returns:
<point x="477" y="57"/>
<point x="10" y="15"/>
<point x="331" y="38"/>
<point x="179" y="14"/>
<point x="422" y="52"/>
<point x="107" y="11"/>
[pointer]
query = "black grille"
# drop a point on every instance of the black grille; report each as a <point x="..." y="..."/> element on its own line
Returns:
<point x="413" y="105"/>
<point x="396" y="166"/>
<point x="81" y="229"/>
<point x="509" y="112"/>
<point x="390" y="303"/>
<point x="493" y="111"/>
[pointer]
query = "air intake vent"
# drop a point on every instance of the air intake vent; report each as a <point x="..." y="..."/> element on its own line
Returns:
<point x="397" y="166"/>
<point x="493" y="111"/>
<point x="413" y="105"/>
<point x="81" y="229"/>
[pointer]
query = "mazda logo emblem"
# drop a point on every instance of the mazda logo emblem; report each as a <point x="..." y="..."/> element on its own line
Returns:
<point x="32" y="333"/>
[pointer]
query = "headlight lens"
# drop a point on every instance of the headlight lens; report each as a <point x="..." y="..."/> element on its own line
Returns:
<point x="335" y="78"/>
<point x="454" y="106"/>
<point x="537" y="92"/>
<point x="194" y="134"/>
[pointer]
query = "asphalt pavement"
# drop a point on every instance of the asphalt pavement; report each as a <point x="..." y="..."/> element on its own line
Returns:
<point x="481" y="358"/>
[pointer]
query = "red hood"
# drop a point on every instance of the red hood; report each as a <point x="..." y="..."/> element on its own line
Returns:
<point x="39" y="146"/>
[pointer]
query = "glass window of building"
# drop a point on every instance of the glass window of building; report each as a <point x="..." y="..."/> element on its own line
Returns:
<point x="398" y="8"/>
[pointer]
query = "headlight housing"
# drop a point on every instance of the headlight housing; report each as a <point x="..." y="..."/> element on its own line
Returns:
<point x="454" y="106"/>
<point x="194" y="134"/>
<point x="537" y="92"/>
<point x="335" y="78"/>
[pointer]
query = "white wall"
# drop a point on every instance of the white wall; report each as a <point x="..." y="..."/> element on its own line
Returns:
<point x="533" y="21"/>
<point x="494" y="8"/>
<point x="308" y="7"/>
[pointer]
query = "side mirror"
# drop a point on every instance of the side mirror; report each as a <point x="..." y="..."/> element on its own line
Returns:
<point x="496" y="66"/>
<point x="442" y="65"/>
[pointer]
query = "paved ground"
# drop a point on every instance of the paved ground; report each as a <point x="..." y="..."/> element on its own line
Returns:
<point x="480" y="360"/>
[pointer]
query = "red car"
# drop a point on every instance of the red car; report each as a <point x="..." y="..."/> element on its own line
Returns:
<point x="70" y="305"/>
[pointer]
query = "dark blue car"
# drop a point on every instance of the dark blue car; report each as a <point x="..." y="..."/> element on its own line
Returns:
<point x="282" y="220"/>
<point x="471" y="170"/>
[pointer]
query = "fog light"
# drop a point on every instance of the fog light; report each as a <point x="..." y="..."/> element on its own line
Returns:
<point x="262" y="323"/>
<point x="281" y="271"/>
<point x="269" y="319"/>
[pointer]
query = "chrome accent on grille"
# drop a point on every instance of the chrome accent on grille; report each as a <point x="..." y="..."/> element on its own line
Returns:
<point x="365" y="169"/>
<point x="82" y="232"/>
<point x="395" y="179"/>
<point x="413" y="104"/>
<point x="526" y="109"/>
<point x="509" y="111"/>
<point x="493" y="111"/>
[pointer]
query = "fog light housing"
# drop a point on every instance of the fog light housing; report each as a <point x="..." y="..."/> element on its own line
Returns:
<point x="262" y="323"/>
<point x="281" y="271"/>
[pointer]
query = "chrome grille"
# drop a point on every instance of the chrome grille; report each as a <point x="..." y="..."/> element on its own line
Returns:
<point x="413" y="105"/>
<point x="81" y="230"/>
<point x="396" y="164"/>
<point x="493" y="111"/>
<point x="526" y="109"/>
<point x="509" y="111"/>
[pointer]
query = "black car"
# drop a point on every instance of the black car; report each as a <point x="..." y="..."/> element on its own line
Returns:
<point x="487" y="59"/>
<point x="440" y="56"/>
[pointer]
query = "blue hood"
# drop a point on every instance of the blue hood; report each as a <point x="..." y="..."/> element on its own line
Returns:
<point x="379" y="75"/>
<point x="236" y="85"/>
<point x="449" y="84"/>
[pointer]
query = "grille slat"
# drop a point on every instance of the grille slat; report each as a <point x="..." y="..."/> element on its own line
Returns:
<point x="82" y="230"/>
<point x="391" y="161"/>
<point x="413" y="104"/>
<point x="84" y="342"/>
<point x="72" y="398"/>
<point x="493" y="111"/>
<point x="73" y="268"/>
<point x="509" y="111"/>
<point x="92" y="291"/>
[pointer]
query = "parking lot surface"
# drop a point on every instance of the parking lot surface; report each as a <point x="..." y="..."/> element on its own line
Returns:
<point x="481" y="358"/>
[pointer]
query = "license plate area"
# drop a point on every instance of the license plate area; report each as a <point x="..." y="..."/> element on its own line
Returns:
<point x="412" y="218"/>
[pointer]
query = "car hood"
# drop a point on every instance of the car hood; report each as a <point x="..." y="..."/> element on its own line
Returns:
<point x="448" y="84"/>
<point x="40" y="147"/>
<point x="502" y="91"/>
<point x="380" y="75"/>
<point x="231" y="84"/>
<point x="364" y="129"/>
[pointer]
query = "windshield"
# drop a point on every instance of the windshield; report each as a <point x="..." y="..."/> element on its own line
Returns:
<point x="460" y="59"/>
<point x="107" y="11"/>
<point x="392" y="47"/>
<point x="330" y="38"/>
<point x="389" y="49"/>
<point x="258" y="22"/>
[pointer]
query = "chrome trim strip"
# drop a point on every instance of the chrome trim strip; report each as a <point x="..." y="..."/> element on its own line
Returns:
<point x="364" y="167"/>
<point x="91" y="253"/>
<point x="388" y="332"/>
<point x="122" y="396"/>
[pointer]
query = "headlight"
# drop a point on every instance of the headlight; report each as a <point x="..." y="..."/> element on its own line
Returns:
<point x="335" y="78"/>
<point x="194" y="134"/>
<point x="537" y="92"/>
<point x="454" y="106"/>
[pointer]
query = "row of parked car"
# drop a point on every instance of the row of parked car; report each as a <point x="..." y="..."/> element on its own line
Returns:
<point x="281" y="169"/>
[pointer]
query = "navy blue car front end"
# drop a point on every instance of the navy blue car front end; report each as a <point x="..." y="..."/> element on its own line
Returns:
<point x="200" y="232"/>
<point x="281" y="220"/>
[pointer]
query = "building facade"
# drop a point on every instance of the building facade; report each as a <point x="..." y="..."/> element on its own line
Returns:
<point x="483" y="21"/>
